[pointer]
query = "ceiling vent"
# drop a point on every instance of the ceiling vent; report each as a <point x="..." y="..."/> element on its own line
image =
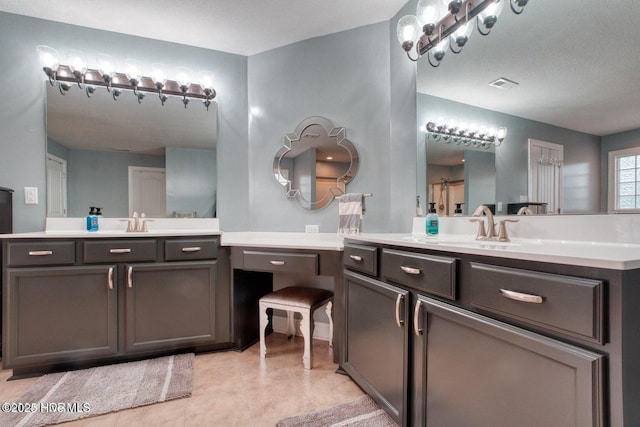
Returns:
<point x="503" y="83"/>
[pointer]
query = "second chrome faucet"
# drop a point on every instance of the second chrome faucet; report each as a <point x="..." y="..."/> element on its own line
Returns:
<point x="490" y="233"/>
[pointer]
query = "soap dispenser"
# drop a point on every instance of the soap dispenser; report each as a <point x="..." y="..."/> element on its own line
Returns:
<point x="92" y="220"/>
<point x="432" y="221"/>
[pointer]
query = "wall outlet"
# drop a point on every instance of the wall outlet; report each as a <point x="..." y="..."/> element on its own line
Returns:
<point x="30" y="195"/>
<point x="315" y="228"/>
<point x="499" y="206"/>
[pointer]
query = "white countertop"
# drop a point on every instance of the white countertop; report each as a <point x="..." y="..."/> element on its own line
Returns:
<point x="317" y="241"/>
<point x="75" y="228"/>
<point x="616" y="256"/>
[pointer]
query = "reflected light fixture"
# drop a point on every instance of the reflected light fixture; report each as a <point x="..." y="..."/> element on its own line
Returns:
<point x="439" y="24"/>
<point x="475" y="134"/>
<point x="132" y="79"/>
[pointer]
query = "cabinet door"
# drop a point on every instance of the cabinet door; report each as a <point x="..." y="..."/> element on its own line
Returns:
<point x="169" y="305"/>
<point x="476" y="371"/>
<point x="376" y="354"/>
<point x="59" y="314"/>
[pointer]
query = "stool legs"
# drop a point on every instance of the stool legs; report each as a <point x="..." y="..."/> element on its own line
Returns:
<point x="329" y="315"/>
<point x="264" y="321"/>
<point x="291" y="327"/>
<point x="307" y="326"/>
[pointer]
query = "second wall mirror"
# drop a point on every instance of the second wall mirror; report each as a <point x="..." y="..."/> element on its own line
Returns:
<point x="315" y="163"/>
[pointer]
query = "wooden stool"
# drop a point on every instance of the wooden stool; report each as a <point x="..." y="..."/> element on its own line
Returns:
<point x="299" y="299"/>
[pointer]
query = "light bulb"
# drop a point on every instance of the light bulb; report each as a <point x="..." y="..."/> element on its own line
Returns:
<point x="429" y="12"/>
<point x="106" y="64"/>
<point x="502" y="133"/>
<point x="183" y="77"/>
<point x="206" y="80"/>
<point x="494" y="9"/>
<point x="133" y="69"/>
<point x="158" y="73"/>
<point x="48" y="57"/>
<point x="77" y="61"/>
<point x="408" y="30"/>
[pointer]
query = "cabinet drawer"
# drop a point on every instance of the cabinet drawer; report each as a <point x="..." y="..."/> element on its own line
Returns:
<point x="563" y="304"/>
<point x="280" y="262"/>
<point x="361" y="258"/>
<point x="429" y="273"/>
<point x="184" y="249"/>
<point x="40" y="253"/>
<point x="120" y="250"/>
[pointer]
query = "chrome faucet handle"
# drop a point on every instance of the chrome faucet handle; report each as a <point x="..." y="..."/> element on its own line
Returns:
<point x="144" y="224"/>
<point x="129" y="224"/>
<point x="502" y="234"/>
<point x="482" y="234"/>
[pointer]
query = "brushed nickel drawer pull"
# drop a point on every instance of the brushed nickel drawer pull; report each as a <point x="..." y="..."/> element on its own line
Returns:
<point x="411" y="270"/>
<point x="275" y="262"/>
<point x="40" y="253"/>
<point x="110" y="277"/>
<point x="518" y="296"/>
<point x="399" y="321"/>
<point x="130" y="276"/>
<point x="120" y="251"/>
<point x="192" y="249"/>
<point x="357" y="258"/>
<point x="416" y="319"/>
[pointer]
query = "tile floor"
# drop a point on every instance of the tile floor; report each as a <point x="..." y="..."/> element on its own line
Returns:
<point x="234" y="389"/>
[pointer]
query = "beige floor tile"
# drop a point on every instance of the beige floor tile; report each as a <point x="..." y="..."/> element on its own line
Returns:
<point x="234" y="389"/>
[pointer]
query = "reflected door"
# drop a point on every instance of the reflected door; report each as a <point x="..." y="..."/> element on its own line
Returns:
<point x="56" y="186"/>
<point x="147" y="191"/>
<point x="545" y="174"/>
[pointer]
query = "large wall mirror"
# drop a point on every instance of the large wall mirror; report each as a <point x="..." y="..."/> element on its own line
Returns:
<point x="126" y="156"/>
<point x="315" y="163"/>
<point x="576" y="67"/>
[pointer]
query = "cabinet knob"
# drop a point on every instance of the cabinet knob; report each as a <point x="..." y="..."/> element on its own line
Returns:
<point x="119" y="251"/>
<point x="130" y="276"/>
<point x="192" y="249"/>
<point x="416" y="320"/>
<point x="356" y="258"/>
<point x="110" y="278"/>
<point x="276" y="262"/>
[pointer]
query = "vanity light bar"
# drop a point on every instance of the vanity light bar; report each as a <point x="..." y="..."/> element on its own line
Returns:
<point x="78" y="73"/>
<point x="479" y="135"/>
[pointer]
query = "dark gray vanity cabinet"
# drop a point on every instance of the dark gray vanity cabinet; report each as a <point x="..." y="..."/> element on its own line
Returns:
<point x="72" y="302"/>
<point x="476" y="371"/>
<point x="169" y="305"/>
<point x="376" y="326"/>
<point x="473" y="356"/>
<point x="59" y="314"/>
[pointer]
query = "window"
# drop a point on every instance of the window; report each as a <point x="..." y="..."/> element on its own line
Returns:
<point x="624" y="180"/>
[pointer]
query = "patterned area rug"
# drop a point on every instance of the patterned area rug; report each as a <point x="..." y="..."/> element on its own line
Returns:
<point x="362" y="412"/>
<point x="67" y="396"/>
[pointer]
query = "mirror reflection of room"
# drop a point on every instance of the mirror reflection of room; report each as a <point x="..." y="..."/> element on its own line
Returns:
<point x="126" y="156"/>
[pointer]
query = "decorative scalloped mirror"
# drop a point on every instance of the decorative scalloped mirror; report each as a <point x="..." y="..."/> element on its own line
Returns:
<point x="316" y="163"/>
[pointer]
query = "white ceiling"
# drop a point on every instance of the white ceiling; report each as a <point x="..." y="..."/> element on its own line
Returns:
<point x="244" y="27"/>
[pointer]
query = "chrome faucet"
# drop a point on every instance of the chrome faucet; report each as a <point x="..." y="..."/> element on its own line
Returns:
<point x="134" y="224"/>
<point x="491" y="226"/>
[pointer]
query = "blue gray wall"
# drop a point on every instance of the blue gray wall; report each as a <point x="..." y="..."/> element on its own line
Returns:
<point x="22" y="107"/>
<point x="191" y="181"/>
<point x="348" y="78"/>
<point x="581" y="153"/>
<point x="101" y="179"/>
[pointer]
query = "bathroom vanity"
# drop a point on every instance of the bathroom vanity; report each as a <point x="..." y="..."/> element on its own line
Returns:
<point x="487" y="334"/>
<point x="87" y="298"/>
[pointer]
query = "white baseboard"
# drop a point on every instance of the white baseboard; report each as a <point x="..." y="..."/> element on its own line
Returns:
<point x="321" y="331"/>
